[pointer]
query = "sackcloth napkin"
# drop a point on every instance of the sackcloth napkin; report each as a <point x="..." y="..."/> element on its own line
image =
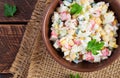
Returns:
<point x="34" y="61"/>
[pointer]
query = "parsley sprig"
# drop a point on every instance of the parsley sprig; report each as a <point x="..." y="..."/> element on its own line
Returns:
<point x="75" y="8"/>
<point x="94" y="46"/>
<point x="75" y="76"/>
<point x="9" y="10"/>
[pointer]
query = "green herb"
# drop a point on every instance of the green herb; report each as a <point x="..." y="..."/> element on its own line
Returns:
<point x="75" y="9"/>
<point x="94" y="46"/>
<point x="72" y="76"/>
<point x="9" y="10"/>
<point x="75" y="76"/>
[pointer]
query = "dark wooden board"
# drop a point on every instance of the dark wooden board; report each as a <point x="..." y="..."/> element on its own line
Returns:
<point x="10" y="39"/>
<point x="23" y="14"/>
<point x="12" y="30"/>
<point x="6" y="75"/>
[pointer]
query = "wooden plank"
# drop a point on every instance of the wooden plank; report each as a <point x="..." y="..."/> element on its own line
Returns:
<point x="23" y="14"/>
<point x="10" y="39"/>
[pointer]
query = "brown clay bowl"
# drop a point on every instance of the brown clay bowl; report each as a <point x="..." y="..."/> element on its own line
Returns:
<point x="83" y="66"/>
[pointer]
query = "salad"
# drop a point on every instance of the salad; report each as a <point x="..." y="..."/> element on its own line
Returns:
<point x="84" y="30"/>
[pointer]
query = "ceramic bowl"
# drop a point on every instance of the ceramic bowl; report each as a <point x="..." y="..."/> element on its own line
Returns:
<point x="58" y="56"/>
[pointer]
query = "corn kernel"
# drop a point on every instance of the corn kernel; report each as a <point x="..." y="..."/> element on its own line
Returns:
<point x="82" y="38"/>
<point x="73" y="56"/>
<point x="68" y="58"/>
<point x="106" y="38"/>
<point x="72" y="32"/>
<point x="92" y="34"/>
<point x="64" y="49"/>
<point x="71" y="42"/>
<point x="98" y="21"/>
<point x="103" y="33"/>
<point x="63" y="42"/>
<point x="56" y="26"/>
<point x="83" y="1"/>
<point x="111" y="34"/>
<point x="115" y="22"/>
<point x="88" y="7"/>
<point x="113" y="44"/>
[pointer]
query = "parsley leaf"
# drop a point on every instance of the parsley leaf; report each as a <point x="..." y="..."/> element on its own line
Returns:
<point x="75" y="76"/>
<point x="94" y="46"/>
<point x="9" y="10"/>
<point x="72" y="76"/>
<point x="75" y="9"/>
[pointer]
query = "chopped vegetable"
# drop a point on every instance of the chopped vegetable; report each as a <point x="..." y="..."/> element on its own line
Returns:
<point x="75" y="9"/>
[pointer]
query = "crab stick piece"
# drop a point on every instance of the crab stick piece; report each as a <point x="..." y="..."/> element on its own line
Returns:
<point x="105" y="52"/>
<point x="77" y="42"/>
<point x="53" y="36"/>
<point x="65" y="16"/>
<point x="89" y="56"/>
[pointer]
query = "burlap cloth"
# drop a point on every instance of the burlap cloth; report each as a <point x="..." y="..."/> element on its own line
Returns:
<point x="33" y="60"/>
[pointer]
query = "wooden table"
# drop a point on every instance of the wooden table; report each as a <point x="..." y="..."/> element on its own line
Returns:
<point x="12" y="30"/>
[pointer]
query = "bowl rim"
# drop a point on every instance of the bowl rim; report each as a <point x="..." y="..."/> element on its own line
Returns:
<point x="46" y="17"/>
